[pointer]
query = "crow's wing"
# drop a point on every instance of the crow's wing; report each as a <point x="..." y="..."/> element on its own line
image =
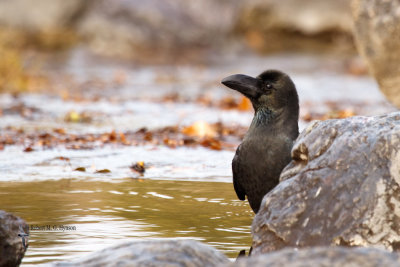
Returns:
<point x="236" y="171"/>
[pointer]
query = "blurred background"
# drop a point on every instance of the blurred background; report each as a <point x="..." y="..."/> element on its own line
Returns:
<point x="113" y="118"/>
<point x="177" y="31"/>
<point x="165" y="32"/>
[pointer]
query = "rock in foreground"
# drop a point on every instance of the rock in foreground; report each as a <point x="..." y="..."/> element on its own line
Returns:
<point x="341" y="188"/>
<point x="12" y="249"/>
<point x="153" y="253"/>
<point x="321" y="257"/>
<point x="377" y="31"/>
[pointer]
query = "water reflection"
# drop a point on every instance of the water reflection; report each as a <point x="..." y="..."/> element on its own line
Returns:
<point x="107" y="213"/>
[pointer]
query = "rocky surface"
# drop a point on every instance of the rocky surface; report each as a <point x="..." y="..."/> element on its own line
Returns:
<point x="176" y="24"/>
<point x="377" y="31"/>
<point x="12" y="248"/>
<point x="321" y="257"/>
<point x="153" y="253"/>
<point x="341" y="188"/>
<point x="146" y="29"/>
<point x="287" y="25"/>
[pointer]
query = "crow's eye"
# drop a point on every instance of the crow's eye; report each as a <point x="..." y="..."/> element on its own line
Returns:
<point x="268" y="86"/>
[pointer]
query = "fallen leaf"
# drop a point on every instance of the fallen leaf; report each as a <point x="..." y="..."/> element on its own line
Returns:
<point x="80" y="169"/>
<point x="200" y="129"/>
<point x="59" y="130"/>
<point x="28" y="149"/>
<point x="148" y="136"/>
<point x="211" y="143"/>
<point x="138" y="167"/>
<point x="76" y="117"/>
<point x="62" y="158"/>
<point x="122" y="138"/>
<point x="112" y="137"/>
<point x="72" y="116"/>
<point x="103" y="171"/>
<point x="244" y="104"/>
<point x="170" y="142"/>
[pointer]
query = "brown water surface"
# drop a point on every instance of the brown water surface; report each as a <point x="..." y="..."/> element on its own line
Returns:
<point x="103" y="213"/>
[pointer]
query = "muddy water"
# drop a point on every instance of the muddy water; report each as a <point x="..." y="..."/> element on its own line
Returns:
<point x="103" y="213"/>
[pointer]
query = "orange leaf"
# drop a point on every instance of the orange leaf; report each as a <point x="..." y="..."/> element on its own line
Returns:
<point x="28" y="149"/>
<point x="200" y="129"/>
<point x="212" y="143"/>
<point x="244" y="104"/>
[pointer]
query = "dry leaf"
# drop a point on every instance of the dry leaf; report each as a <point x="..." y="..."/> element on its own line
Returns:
<point x="28" y="149"/>
<point x="138" y="167"/>
<point x="200" y="129"/>
<point x="103" y="171"/>
<point x="72" y="116"/>
<point x="76" y="117"/>
<point x="244" y="104"/>
<point x="212" y="143"/>
<point x="59" y="131"/>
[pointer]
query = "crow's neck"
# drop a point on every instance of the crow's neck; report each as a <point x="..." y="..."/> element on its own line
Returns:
<point x="283" y="120"/>
<point x="262" y="117"/>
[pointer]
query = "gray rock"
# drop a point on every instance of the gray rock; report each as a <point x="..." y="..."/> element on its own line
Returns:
<point x="40" y="15"/>
<point x="270" y="25"/>
<point x="143" y="27"/>
<point x="322" y="257"/>
<point x="377" y="31"/>
<point x="341" y="188"/>
<point x="153" y="253"/>
<point x="307" y="16"/>
<point x="146" y="28"/>
<point x="12" y="249"/>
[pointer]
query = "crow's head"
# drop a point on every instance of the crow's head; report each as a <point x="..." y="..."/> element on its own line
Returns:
<point x="272" y="89"/>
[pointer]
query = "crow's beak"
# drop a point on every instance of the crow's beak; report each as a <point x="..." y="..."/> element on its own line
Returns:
<point x="248" y="86"/>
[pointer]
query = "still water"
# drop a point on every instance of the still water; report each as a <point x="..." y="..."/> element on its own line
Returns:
<point x="105" y="213"/>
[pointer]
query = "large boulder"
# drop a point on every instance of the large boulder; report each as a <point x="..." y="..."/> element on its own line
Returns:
<point x="174" y="253"/>
<point x="13" y="239"/>
<point x="140" y="28"/>
<point x="377" y="31"/>
<point x="322" y="257"/>
<point x="153" y="29"/>
<point x="270" y="25"/>
<point x="341" y="188"/>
